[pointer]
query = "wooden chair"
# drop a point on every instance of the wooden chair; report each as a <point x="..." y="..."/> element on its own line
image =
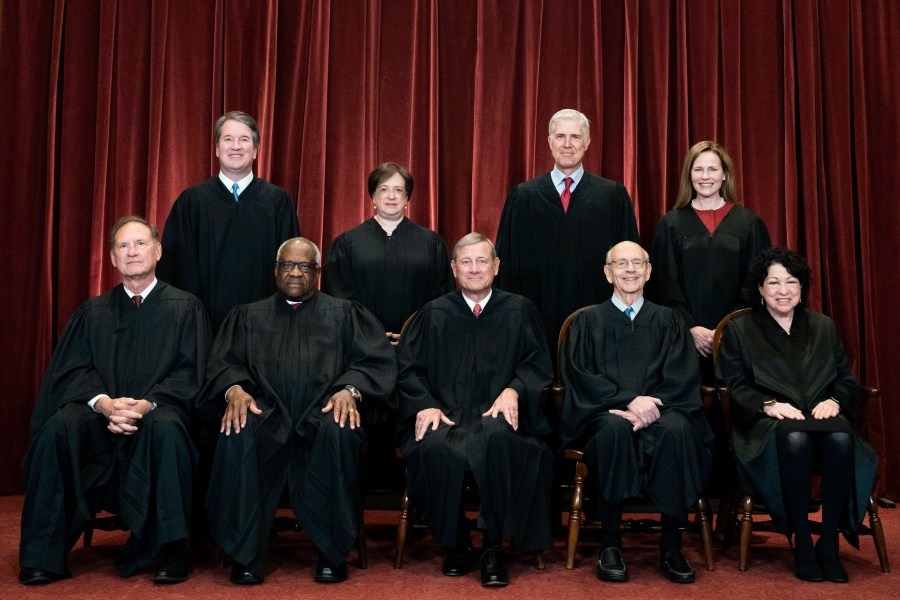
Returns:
<point x="406" y="517"/>
<point x="872" y="398"/>
<point x="577" y="520"/>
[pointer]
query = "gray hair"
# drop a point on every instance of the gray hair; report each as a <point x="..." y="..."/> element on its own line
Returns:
<point x="300" y="240"/>
<point x="122" y="222"/>
<point x="644" y="253"/>
<point x="470" y="239"/>
<point x="570" y="114"/>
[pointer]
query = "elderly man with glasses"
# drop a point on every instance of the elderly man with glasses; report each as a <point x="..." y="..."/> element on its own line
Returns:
<point x="291" y="381"/>
<point x="633" y="404"/>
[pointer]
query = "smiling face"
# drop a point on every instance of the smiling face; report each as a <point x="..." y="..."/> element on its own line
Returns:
<point x="236" y="150"/>
<point x="294" y="283"/>
<point x="390" y="198"/>
<point x="135" y="252"/>
<point x="707" y="176"/>
<point x="475" y="269"/>
<point x="628" y="271"/>
<point x="780" y="291"/>
<point x="568" y="145"/>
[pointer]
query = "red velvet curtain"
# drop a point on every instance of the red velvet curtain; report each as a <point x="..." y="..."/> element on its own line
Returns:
<point x="108" y="108"/>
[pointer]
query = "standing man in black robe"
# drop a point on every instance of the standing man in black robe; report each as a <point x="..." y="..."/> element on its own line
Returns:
<point x="473" y="364"/>
<point x="633" y="404"/>
<point x="109" y="429"/>
<point x="221" y="234"/>
<point x="296" y="375"/>
<point x="555" y="229"/>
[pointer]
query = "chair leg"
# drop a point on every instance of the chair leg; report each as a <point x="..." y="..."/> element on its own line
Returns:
<point x="878" y="535"/>
<point x="703" y="521"/>
<point x="402" y="528"/>
<point x="746" y="530"/>
<point x="575" y="514"/>
<point x="539" y="560"/>
<point x="362" y="554"/>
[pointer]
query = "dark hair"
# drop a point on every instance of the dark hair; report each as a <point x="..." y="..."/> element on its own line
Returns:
<point x="791" y="260"/>
<point x="686" y="190"/>
<point x="240" y="117"/>
<point x="385" y="171"/>
<point x="122" y="222"/>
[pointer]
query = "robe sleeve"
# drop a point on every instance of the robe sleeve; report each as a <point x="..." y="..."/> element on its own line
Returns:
<point x="508" y="278"/>
<point x="667" y="274"/>
<point x="442" y="281"/>
<point x="228" y="365"/>
<point x="190" y="352"/>
<point x="337" y="271"/>
<point x="679" y="382"/>
<point x="288" y="225"/>
<point x="758" y="240"/>
<point x="734" y="369"/>
<point x="180" y="262"/>
<point x="534" y="372"/>
<point x="413" y="386"/>
<point x="371" y="362"/>
<point x="71" y="375"/>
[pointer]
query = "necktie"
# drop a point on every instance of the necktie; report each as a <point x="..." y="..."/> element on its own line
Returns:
<point x="234" y="190"/>
<point x="296" y="306"/>
<point x="629" y="312"/>
<point x="137" y="300"/>
<point x="566" y="194"/>
<point x="477" y="310"/>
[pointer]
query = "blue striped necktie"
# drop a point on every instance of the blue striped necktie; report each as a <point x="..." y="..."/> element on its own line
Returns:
<point x="234" y="190"/>
<point x="629" y="312"/>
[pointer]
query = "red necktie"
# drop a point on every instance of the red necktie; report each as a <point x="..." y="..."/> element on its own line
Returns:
<point x="296" y="306"/>
<point x="137" y="300"/>
<point x="566" y="194"/>
<point x="477" y="310"/>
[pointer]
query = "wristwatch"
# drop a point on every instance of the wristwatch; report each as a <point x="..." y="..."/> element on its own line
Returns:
<point x="354" y="392"/>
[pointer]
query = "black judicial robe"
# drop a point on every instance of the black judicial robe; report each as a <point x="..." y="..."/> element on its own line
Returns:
<point x="223" y="251"/>
<point x="703" y="276"/>
<point x="451" y="360"/>
<point x="606" y="362"/>
<point x="157" y="353"/>
<point x="758" y="360"/>
<point x="292" y="362"/>
<point x="555" y="258"/>
<point x="391" y="275"/>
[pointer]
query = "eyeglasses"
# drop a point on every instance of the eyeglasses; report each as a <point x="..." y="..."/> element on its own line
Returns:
<point x="622" y="263"/>
<point x="286" y="266"/>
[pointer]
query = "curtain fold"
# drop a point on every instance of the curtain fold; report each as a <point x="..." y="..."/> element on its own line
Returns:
<point x="110" y="107"/>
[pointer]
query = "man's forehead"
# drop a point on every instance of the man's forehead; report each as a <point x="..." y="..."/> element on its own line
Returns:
<point x="475" y="250"/>
<point x="133" y="230"/>
<point x="628" y="251"/>
<point x="568" y="126"/>
<point x="297" y="251"/>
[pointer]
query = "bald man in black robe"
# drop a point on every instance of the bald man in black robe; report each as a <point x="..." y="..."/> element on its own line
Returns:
<point x="473" y="364"/>
<point x="297" y="375"/>
<point x="110" y="425"/>
<point x="633" y="404"/>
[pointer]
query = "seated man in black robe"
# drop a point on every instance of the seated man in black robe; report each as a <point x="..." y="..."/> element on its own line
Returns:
<point x="473" y="364"/>
<point x="633" y="404"/>
<point x="296" y="375"/>
<point x="109" y="429"/>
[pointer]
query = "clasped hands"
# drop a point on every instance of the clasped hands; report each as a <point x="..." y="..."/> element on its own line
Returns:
<point x="123" y="413"/>
<point x="641" y="412"/>
<point x="507" y="404"/>
<point x="342" y="404"/>
<point x="783" y="410"/>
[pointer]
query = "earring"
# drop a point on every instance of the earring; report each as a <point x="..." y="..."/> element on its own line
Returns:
<point x="762" y="302"/>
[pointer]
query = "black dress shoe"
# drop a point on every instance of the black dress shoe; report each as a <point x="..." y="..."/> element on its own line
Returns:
<point x="830" y="563"/>
<point x="807" y="567"/>
<point x="459" y="561"/>
<point x="175" y="566"/>
<point x="241" y="575"/>
<point x="492" y="572"/>
<point x="676" y="567"/>
<point x="611" y="566"/>
<point x="29" y="576"/>
<point x="326" y="572"/>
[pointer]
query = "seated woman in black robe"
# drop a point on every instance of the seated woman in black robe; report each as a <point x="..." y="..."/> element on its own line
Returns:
<point x="795" y="404"/>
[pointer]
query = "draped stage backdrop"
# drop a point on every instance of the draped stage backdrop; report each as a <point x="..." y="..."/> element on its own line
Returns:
<point x="108" y="108"/>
